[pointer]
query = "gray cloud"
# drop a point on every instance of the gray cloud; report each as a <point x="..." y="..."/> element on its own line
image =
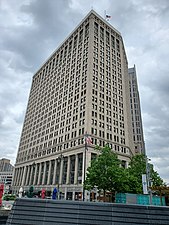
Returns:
<point x="32" y="30"/>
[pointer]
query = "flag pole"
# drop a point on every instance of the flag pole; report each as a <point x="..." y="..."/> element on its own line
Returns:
<point x="105" y="14"/>
<point x="84" y="167"/>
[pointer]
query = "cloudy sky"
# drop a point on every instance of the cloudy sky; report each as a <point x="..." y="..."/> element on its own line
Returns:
<point x="30" y="30"/>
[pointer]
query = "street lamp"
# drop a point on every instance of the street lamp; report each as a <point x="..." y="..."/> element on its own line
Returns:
<point x="149" y="180"/>
<point x="59" y="160"/>
<point x="87" y="141"/>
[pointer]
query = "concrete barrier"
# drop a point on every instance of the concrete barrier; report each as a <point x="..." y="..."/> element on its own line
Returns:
<point x="3" y="216"/>
<point x="50" y="212"/>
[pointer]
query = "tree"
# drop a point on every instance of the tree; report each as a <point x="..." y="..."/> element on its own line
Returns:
<point x="137" y="167"/>
<point x="105" y="172"/>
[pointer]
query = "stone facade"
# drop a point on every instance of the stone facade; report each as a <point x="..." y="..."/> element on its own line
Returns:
<point x="82" y="88"/>
<point x="5" y="165"/>
<point x="138" y="136"/>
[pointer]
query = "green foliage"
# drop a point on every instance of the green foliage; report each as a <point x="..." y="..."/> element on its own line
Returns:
<point x="105" y="172"/>
<point x="137" y="167"/>
<point x="9" y="197"/>
<point x="155" y="177"/>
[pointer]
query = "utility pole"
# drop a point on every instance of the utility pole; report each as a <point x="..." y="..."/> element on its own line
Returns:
<point x="149" y="183"/>
<point x="59" y="161"/>
<point x="87" y="141"/>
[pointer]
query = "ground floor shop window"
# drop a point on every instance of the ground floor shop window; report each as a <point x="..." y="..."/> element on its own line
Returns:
<point x="69" y="196"/>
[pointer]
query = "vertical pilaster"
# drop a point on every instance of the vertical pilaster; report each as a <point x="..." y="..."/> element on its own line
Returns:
<point x="61" y="171"/>
<point x="84" y="166"/>
<point x="17" y="178"/>
<point x="49" y="173"/>
<point x="31" y="175"/>
<point x="76" y="168"/>
<point x="21" y="176"/>
<point x="27" y="178"/>
<point x="14" y="177"/>
<point x="54" y="174"/>
<point x="39" y="175"/>
<point x="24" y="176"/>
<point x="35" y="176"/>
<point x="44" y="173"/>
<point x="68" y="171"/>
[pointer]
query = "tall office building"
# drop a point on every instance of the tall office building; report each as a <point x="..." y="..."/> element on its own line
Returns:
<point x="82" y="88"/>
<point x="138" y="136"/>
<point x="5" y="165"/>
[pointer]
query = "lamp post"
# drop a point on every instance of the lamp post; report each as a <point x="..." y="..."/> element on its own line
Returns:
<point x="149" y="181"/>
<point x="84" y="170"/>
<point x="87" y="141"/>
<point x="59" y="160"/>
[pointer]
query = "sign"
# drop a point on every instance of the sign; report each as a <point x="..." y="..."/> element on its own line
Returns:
<point x="72" y="189"/>
<point x="144" y="184"/>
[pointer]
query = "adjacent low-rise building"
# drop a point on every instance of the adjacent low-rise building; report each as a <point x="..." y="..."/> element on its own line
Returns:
<point x="6" y="174"/>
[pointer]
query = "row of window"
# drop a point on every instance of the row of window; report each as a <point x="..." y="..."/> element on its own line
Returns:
<point x="59" y="145"/>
